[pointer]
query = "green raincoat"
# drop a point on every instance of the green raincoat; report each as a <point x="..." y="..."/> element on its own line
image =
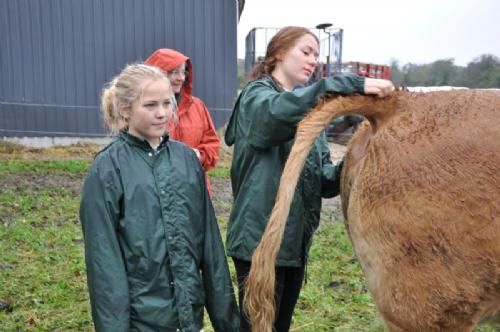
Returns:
<point x="262" y="129"/>
<point x="153" y="249"/>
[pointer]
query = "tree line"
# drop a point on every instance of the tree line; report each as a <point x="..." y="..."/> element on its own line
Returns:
<point x="482" y="72"/>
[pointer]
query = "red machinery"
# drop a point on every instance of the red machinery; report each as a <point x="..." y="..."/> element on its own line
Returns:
<point x="367" y="69"/>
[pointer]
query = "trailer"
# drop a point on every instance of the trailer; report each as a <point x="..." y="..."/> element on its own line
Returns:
<point x="367" y="69"/>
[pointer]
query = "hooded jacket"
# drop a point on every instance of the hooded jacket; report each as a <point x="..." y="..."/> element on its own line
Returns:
<point x="194" y="125"/>
<point x="262" y="129"/>
<point x="153" y="250"/>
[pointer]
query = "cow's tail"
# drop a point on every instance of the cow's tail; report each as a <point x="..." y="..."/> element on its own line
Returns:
<point x="260" y="284"/>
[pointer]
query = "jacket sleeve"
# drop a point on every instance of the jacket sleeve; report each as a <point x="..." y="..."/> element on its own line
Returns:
<point x="219" y="295"/>
<point x="106" y="275"/>
<point x="330" y="173"/>
<point x="273" y="115"/>
<point x="210" y="144"/>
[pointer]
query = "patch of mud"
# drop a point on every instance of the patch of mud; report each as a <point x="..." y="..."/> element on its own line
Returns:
<point x="222" y="197"/>
<point x="9" y="151"/>
<point x="337" y="152"/>
<point x="331" y="204"/>
<point x="32" y="183"/>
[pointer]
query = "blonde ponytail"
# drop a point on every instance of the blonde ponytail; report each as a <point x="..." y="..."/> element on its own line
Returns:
<point x="110" y="113"/>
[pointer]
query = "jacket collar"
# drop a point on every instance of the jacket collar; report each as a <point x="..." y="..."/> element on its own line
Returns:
<point x="269" y="79"/>
<point x="139" y="141"/>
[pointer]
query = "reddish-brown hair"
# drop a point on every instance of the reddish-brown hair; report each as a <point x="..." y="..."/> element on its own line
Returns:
<point x="281" y="43"/>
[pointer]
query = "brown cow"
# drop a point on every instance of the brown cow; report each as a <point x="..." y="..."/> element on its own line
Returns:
<point x="421" y="199"/>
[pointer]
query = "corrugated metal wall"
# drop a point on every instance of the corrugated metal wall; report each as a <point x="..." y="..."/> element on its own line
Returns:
<point x="55" y="56"/>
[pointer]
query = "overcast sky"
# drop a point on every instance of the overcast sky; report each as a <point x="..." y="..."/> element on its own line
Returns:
<point x="420" y="31"/>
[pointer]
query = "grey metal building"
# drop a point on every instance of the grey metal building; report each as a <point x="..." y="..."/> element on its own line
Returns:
<point x="55" y="56"/>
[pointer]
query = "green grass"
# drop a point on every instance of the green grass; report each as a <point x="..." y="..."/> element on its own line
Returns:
<point x="335" y="297"/>
<point x="25" y="166"/>
<point x="219" y="172"/>
<point x="42" y="271"/>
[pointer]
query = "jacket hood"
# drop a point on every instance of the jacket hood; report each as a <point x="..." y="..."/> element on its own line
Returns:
<point x="167" y="60"/>
<point x="230" y="134"/>
<point x="231" y="129"/>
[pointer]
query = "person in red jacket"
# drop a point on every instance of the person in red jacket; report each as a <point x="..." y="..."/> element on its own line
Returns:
<point x="193" y="124"/>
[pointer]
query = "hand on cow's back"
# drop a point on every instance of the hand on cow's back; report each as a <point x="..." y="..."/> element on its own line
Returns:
<point x="378" y="87"/>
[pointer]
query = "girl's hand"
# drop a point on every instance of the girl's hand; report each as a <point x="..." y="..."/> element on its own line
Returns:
<point x="379" y="87"/>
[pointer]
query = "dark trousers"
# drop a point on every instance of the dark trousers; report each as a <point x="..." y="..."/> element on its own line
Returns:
<point x="288" y="285"/>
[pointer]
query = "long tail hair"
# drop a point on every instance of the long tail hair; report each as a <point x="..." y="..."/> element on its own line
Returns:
<point x="260" y="284"/>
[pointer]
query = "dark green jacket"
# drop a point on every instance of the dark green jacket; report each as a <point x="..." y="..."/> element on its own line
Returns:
<point x="262" y="129"/>
<point x="153" y="249"/>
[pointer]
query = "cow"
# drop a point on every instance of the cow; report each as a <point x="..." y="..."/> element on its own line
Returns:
<point x="420" y="192"/>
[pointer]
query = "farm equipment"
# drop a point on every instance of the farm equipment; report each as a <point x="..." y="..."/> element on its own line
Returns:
<point x="367" y="69"/>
